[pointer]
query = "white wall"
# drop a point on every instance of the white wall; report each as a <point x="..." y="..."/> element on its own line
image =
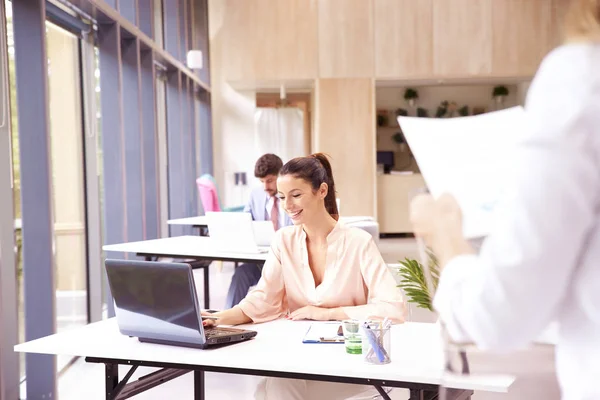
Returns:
<point x="234" y="147"/>
<point x="392" y="98"/>
<point x="233" y="122"/>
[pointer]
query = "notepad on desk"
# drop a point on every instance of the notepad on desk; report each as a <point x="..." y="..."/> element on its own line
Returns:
<point x="324" y="332"/>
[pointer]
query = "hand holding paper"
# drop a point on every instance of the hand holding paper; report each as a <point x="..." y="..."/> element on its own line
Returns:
<point x="469" y="158"/>
<point x="439" y="223"/>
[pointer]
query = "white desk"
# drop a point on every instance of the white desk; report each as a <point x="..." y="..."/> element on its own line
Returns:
<point x="202" y="221"/>
<point x="197" y="222"/>
<point x="276" y="351"/>
<point x="195" y="247"/>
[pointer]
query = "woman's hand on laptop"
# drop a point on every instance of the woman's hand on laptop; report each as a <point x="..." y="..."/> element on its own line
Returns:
<point x="211" y="320"/>
<point x="233" y="316"/>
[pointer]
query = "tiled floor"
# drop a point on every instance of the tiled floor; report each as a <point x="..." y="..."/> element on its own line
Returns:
<point x="534" y="368"/>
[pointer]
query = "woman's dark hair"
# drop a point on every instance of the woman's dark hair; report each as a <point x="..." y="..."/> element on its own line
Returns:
<point x="314" y="169"/>
<point x="267" y="164"/>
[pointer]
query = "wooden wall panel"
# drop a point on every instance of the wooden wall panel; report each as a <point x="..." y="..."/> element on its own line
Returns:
<point x="286" y="39"/>
<point x="236" y="31"/>
<point x="403" y="38"/>
<point x="559" y="11"/>
<point x="268" y="39"/>
<point x="462" y="38"/>
<point x="346" y="38"/>
<point x="523" y="35"/>
<point x="345" y="129"/>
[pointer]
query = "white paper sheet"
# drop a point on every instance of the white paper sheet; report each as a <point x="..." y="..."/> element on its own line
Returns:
<point x="468" y="157"/>
<point x="323" y="330"/>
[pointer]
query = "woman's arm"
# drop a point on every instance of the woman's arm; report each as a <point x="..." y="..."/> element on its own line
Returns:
<point x="233" y="316"/>
<point x="385" y="298"/>
<point x="265" y="302"/>
<point x="319" y="314"/>
<point x="504" y="297"/>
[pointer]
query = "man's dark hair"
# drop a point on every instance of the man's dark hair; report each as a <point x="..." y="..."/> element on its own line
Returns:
<point x="268" y="164"/>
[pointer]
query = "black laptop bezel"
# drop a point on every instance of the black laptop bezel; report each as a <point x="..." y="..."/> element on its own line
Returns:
<point x="229" y="338"/>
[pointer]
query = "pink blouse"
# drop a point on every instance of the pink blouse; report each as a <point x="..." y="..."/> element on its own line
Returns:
<point x="356" y="278"/>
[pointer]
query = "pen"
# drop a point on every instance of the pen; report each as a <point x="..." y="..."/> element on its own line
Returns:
<point x="379" y="352"/>
<point x="331" y="340"/>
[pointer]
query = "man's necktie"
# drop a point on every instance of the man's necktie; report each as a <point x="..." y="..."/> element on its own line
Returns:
<point x="275" y="213"/>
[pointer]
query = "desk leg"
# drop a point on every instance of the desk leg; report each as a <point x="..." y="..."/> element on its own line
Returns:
<point x="206" y="289"/>
<point x="443" y="394"/>
<point x="383" y="393"/>
<point x="112" y="379"/>
<point x="198" y="385"/>
<point x="417" y="394"/>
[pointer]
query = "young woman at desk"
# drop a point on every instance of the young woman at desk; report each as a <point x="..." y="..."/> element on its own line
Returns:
<point x="317" y="269"/>
<point x="540" y="261"/>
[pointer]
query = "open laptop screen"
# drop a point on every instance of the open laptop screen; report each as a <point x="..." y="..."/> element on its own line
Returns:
<point x="154" y="297"/>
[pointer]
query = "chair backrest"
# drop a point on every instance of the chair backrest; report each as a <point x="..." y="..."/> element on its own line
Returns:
<point x="207" y="189"/>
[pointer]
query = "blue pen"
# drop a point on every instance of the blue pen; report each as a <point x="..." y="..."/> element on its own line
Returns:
<point x="374" y="344"/>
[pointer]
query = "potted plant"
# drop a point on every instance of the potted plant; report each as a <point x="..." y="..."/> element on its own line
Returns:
<point x="414" y="282"/>
<point x="499" y="93"/>
<point x="411" y="95"/>
<point x="463" y="111"/>
<point x="415" y="287"/>
<point x="382" y="118"/>
<point x="422" y="112"/>
<point x="401" y="112"/>
<point x="442" y="109"/>
<point x="399" y="139"/>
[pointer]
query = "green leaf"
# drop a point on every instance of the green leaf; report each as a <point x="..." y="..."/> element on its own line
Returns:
<point x="413" y="280"/>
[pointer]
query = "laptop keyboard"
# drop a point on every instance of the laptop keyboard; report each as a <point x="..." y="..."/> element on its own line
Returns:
<point x="216" y="332"/>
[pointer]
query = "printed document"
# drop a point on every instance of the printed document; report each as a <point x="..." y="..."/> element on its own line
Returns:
<point x="468" y="157"/>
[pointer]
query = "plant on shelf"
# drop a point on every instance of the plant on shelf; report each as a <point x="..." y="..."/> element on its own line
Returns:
<point x="499" y="93"/>
<point x="398" y="138"/>
<point x="451" y="109"/>
<point x="414" y="283"/>
<point x="382" y="118"/>
<point x="442" y="109"/>
<point x="411" y="95"/>
<point x="422" y="112"/>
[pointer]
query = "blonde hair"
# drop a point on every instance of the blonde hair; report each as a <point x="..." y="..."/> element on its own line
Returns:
<point x="582" y="21"/>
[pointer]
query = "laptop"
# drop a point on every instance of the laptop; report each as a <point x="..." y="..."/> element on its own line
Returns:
<point x="264" y="232"/>
<point x="234" y="232"/>
<point x="157" y="303"/>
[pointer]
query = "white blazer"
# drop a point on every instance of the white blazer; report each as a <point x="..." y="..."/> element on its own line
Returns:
<point x="541" y="263"/>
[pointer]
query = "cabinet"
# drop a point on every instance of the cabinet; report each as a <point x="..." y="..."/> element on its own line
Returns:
<point x="345" y="129"/>
<point x="462" y="37"/>
<point x="403" y="38"/>
<point x="345" y="38"/>
<point x="393" y="200"/>
<point x="266" y="39"/>
<point x="523" y="35"/>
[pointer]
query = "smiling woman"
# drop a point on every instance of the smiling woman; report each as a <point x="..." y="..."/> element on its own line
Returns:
<point x="317" y="269"/>
<point x="313" y="172"/>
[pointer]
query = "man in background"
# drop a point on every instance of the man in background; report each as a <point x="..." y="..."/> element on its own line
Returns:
<point x="263" y="205"/>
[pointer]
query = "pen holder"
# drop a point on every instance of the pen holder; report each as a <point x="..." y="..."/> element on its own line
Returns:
<point x="352" y="336"/>
<point x="377" y="344"/>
